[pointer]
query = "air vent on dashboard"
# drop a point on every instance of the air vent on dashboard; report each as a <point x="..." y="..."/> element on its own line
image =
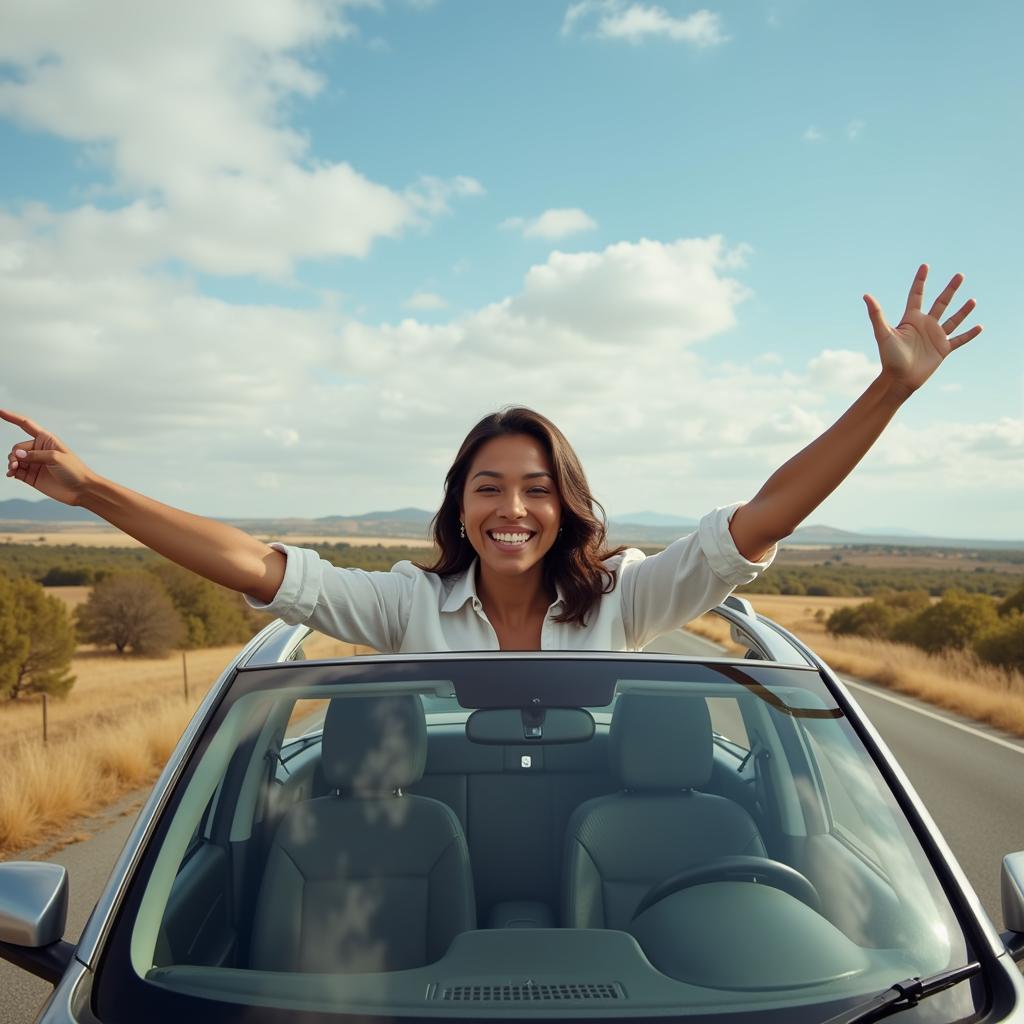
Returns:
<point x="529" y="992"/>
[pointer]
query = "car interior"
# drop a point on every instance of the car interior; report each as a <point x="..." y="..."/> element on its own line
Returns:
<point x="697" y="835"/>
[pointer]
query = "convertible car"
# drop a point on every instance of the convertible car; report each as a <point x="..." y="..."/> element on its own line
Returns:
<point x="527" y="836"/>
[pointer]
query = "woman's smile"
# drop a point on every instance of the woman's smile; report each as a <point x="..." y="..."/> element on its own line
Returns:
<point x="512" y="540"/>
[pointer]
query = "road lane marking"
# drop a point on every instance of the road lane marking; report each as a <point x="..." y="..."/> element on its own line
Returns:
<point x="932" y="714"/>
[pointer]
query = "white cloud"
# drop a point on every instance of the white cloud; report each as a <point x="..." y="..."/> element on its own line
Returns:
<point x="636" y="22"/>
<point x="855" y="129"/>
<point x="425" y="300"/>
<point x="185" y="106"/>
<point x="842" y="372"/>
<point x="260" y="410"/>
<point x="812" y="135"/>
<point x="551" y="224"/>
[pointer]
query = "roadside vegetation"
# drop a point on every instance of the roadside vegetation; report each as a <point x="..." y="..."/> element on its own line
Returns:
<point x="954" y="678"/>
<point x="992" y="630"/>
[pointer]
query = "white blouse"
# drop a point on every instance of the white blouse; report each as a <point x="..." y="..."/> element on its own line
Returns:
<point x="410" y="611"/>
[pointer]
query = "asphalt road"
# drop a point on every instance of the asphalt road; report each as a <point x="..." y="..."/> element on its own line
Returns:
<point x="970" y="777"/>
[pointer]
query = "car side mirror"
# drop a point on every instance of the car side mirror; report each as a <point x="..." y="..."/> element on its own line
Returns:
<point x="1012" y="886"/>
<point x="33" y="914"/>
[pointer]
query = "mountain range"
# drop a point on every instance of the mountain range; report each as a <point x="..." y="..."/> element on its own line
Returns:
<point x="20" y="516"/>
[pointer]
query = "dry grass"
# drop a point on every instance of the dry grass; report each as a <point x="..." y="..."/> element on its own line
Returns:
<point x="44" y="787"/>
<point x="108" y="686"/>
<point x="112" y="734"/>
<point x="956" y="680"/>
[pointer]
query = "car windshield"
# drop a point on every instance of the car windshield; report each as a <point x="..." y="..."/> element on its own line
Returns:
<point x="503" y="836"/>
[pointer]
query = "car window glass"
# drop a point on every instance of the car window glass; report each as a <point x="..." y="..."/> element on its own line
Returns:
<point x="325" y="839"/>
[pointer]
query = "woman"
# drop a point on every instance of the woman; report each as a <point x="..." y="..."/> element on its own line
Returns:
<point x="522" y="563"/>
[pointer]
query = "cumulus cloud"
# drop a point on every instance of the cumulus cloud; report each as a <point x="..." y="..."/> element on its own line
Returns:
<point x="637" y="22"/>
<point x="425" y="300"/>
<point x="262" y="410"/>
<point x="842" y="372"/>
<point x="812" y="135"/>
<point x="185" y="106"/>
<point x="551" y="225"/>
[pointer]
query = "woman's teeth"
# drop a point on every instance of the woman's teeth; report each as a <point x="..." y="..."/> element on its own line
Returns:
<point x="511" y="538"/>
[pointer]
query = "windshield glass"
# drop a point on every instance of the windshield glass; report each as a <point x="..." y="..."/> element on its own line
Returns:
<point x="595" y="836"/>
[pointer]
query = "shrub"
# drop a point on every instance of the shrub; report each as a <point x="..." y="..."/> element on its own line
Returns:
<point x="1015" y="602"/>
<point x="1003" y="644"/>
<point x="212" y="614"/>
<point x="131" y="609"/>
<point x="872" y="618"/>
<point x="956" y="621"/>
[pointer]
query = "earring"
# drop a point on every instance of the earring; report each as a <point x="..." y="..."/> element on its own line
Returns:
<point x="462" y="529"/>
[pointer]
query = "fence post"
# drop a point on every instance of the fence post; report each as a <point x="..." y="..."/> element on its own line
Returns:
<point x="44" y="718"/>
<point x="184" y="673"/>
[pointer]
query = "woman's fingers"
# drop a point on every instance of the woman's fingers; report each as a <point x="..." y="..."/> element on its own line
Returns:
<point x="878" y="321"/>
<point x="962" y="339"/>
<point x="916" y="295"/>
<point x="953" y="322"/>
<point x="29" y="426"/>
<point x="946" y="296"/>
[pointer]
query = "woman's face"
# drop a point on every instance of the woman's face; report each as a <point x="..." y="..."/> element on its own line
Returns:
<point x="510" y="506"/>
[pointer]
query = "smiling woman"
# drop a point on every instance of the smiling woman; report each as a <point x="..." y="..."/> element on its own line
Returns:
<point x="523" y="563"/>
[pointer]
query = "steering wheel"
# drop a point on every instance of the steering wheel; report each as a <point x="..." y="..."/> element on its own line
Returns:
<point x="735" y="869"/>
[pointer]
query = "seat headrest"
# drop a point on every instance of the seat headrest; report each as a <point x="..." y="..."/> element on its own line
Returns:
<point x="661" y="741"/>
<point x="374" y="745"/>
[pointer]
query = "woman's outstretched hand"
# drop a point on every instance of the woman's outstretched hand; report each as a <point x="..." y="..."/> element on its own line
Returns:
<point x="912" y="351"/>
<point x="44" y="462"/>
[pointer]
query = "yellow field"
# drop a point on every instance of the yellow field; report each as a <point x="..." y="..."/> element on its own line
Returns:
<point x="111" y="734"/>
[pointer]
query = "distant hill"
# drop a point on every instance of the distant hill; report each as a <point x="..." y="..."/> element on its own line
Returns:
<point x="654" y="519"/>
<point x="653" y="528"/>
<point x="44" y="511"/>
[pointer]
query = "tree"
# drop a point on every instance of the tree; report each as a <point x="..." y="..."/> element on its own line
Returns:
<point x="1003" y="644"/>
<point x="131" y="609"/>
<point x="37" y="641"/>
<point x="955" y="621"/>
<point x="872" y="619"/>
<point x="1015" y="602"/>
<point x="212" y="614"/>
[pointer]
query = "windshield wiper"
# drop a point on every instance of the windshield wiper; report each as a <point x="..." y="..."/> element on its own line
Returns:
<point x="903" y="995"/>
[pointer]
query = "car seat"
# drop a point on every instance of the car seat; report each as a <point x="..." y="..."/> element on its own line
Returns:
<point x="367" y="878"/>
<point x="618" y="846"/>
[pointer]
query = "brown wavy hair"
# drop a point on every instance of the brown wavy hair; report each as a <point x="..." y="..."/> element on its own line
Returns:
<point x="573" y="564"/>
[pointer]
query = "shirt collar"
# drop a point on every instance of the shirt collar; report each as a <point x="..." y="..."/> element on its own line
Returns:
<point x="464" y="589"/>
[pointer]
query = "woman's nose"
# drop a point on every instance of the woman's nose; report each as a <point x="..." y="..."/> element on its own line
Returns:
<point x="513" y="507"/>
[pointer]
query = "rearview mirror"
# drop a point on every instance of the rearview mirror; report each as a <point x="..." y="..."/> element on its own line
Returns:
<point x="530" y="725"/>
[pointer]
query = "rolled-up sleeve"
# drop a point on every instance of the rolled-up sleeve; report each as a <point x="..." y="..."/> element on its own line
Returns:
<point x="692" y="575"/>
<point x="354" y="605"/>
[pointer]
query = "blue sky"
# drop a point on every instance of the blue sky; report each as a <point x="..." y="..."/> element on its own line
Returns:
<point x="277" y="260"/>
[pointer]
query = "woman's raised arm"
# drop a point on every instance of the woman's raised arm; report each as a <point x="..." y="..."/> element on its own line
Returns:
<point x="214" y="550"/>
<point x="910" y="354"/>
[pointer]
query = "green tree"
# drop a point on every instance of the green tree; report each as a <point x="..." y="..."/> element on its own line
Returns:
<point x="37" y="641"/>
<point x="131" y="609"/>
<point x="956" y="621"/>
<point x="872" y="618"/>
<point x="212" y="614"/>
<point x="1003" y="644"/>
<point x="1015" y="602"/>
